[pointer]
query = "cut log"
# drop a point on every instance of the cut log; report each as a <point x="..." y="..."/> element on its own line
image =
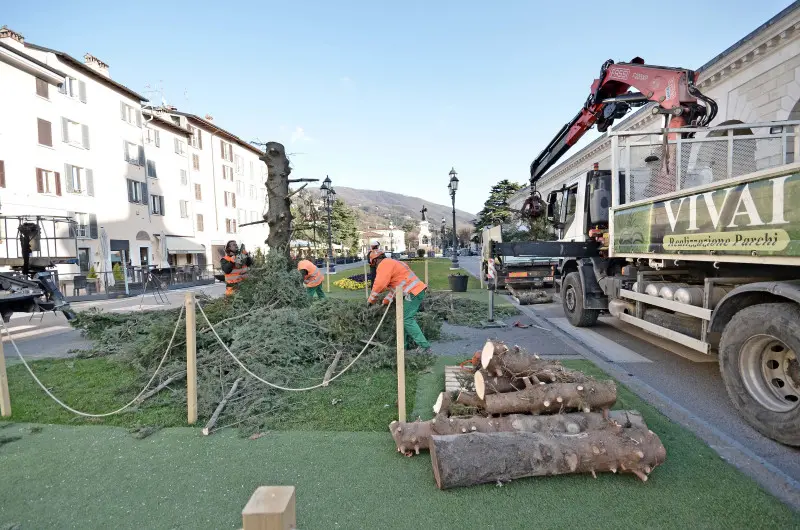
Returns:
<point x="332" y="368"/>
<point x="442" y="405"/>
<point x="470" y="399"/>
<point x="416" y="435"/>
<point x="499" y="360"/>
<point x="490" y="354"/>
<point x="555" y="397"/>
<point x="479" y="458"/>
<point x="492" y="384"/>
<point x="221" y="406"/>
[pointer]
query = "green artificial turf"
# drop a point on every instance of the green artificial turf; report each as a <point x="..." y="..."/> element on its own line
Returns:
<point x="101" y="477"/>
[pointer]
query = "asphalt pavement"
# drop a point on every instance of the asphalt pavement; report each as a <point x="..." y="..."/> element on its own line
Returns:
<point x="683" y="384"/>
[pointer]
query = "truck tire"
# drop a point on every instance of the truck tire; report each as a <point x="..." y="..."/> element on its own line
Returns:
<point x="572" y="300"/>
<point x="758" y="358"/>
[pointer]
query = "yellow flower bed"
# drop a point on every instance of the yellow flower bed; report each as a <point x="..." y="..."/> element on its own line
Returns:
<point x="348" y="284"/>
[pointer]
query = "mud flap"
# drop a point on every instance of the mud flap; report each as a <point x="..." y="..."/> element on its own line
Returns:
<point x="593" y="296"/>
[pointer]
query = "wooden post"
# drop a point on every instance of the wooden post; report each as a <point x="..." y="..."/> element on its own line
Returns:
<point x="366" y="282"/>
<point x="191" y="359"/>
<point x="426" y="271"/>
<point x="401" y="356"/>
<point x="328" y="274"/>
<point x="5" y="399"/>
<point x="270" y="508"/>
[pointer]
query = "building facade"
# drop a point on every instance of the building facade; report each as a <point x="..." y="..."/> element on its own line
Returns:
<point x="150" y="187"/>
<point x="757" y="79"/>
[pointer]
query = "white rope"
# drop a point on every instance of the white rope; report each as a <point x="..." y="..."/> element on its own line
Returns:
<point x="84" y="414"/>
<point x="367" y="345"/>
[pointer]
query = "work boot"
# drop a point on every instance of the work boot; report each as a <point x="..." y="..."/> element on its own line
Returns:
<point x="421" y="350"/>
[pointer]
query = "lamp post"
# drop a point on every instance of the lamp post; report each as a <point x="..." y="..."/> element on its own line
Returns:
<point x="453" y="186"/>
<point x="328" y="194"/>
<point x="391" y="237"/>
<point x="442" y="239"/>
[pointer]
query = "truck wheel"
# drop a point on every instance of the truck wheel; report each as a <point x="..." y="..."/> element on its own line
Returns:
<point x="572" y="300"/>
<point x="758" y="358"/>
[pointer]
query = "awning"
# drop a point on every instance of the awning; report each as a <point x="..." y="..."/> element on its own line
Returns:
<point x="184" y="245"/>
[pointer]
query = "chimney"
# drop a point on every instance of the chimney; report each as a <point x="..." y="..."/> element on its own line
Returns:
<point x="11" y="37"/>
<point x="96" y="64"/>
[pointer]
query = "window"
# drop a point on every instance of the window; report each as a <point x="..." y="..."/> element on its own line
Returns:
<point x="239" y="163"/>
<point x="241" y="215"/>
<point x="45" y="130"/>
<point x="227" y="173"/>
<point x="82" y="228"/>
<point x="253" y="216"/>
<point x="85" y="227"/>
<point x="196" y="139"/>
<point x="83" y="258"/>
<point x="180" y="147"/>
<point x="152" y="137"/>
<point x="157" y="204"/>
<point x="195" y="162"/>
<point x="230" y="226"/>
<point x="184" y="178"/>
<point x="199" y="222"/>
<point x="184" y="209"/>
<point x="151" y="169"/>
<point x="78" y="180"/>
<point x="252" y="192"/>
<point x="198" y="195"/>
<point x="137" y="192"/>
<point x="134" y="154"/>
<point x="42" y="88"/>
<point x="48" y="182"/>
<point x="2" y="174"/>
<point x="252" y="171"/>
<point x="74" y="89"/>
<point x="227" y="151"/>
<point x="130" y="114"/>
<point x="74" y="133"/>
<point x="240" y="187"/>
<point x="229" y="199"/>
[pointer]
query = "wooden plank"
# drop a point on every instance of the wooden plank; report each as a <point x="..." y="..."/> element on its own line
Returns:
<point x="5" y="399"/>
<point x="401" y="355"/>
<point x="686" y="309"/>
<point x="191" y="359"/>
<point x="270" y="508"/>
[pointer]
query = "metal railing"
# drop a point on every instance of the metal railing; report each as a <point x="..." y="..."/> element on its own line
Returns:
<point x="132" y="281"/>
<point x="713" y="154"/>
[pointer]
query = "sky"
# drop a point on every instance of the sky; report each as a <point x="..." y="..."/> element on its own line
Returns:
<point x="386" y="95"/>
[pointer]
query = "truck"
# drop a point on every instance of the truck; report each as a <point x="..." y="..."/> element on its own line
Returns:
<point x="692" y="234"/>
<point x="31" y="248"/>
<point x="518" y="273"/>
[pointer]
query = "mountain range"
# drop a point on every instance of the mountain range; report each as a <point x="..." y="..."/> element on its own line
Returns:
<point x="376" y="208"/>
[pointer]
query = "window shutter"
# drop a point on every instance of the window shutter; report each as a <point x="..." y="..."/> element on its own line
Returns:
<point x="233" y="225"/>
<point x="138" y="118"/>
<point x="122" y="111"/>
<point x="85" y="135"/>
<point x="2" y="174"/>
<point x="93" y="226"/>
<point x="225" y="198"/>
<point x="82" y="91"/>
<point x="158" y="138"/>
<point x="233" y="200"/>
<point x="89" y="183"/>
<point x="222" y="146"/>
<point x="68" y="177"/>
<point x="39" y="181"/>
<point x="42" y="88"/>
<point x="71" y="215"/>
<point x="58" y="183"/>
<point x="199" y="139"/>
<point x="161" y="204"/>
<point x="200" y="222"/>
<point x="177" y="145"/>
<point x="145" y="199"/>
<point x="130" y="191"/>
<point x="64" y="130"/>
<point x="141" y="155"/>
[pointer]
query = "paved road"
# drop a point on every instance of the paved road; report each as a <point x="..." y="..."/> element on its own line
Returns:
<point x="690" y="381"/>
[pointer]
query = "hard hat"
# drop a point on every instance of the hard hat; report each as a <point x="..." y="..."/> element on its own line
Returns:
<point x="374" y="243"/>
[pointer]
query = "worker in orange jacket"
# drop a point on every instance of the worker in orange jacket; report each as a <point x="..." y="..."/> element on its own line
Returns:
<point x="312" y="278"/>
<point x="390" y="274"/>
<point x="374" y="252"/>
<point x="235" y="264"/>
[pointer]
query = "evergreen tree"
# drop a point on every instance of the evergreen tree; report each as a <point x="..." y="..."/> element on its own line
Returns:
<point x="344" y="225"/>
<point x="496" y="210"/>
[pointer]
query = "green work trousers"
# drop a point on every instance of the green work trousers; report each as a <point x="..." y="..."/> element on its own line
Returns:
<point x="410" y="326"/>
<point x="311" y="291"/>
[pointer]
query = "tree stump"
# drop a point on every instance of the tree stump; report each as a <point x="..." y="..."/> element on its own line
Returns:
<point x="279" y="215"/>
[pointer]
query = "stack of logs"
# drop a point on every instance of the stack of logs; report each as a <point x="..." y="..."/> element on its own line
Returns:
<point x="532" y="418"/>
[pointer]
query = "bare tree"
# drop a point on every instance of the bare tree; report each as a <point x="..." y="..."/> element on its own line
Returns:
<point x="279" y="214"/>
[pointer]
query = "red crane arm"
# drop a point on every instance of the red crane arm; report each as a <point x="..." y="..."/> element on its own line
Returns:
<point x="672" y="88"/>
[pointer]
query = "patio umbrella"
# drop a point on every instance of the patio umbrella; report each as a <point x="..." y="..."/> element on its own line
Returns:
<point x="105" y="252"/>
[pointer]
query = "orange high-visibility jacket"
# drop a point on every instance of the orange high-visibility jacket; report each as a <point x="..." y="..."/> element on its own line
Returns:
<point x="238" y="273"/>
<point x="391" y="274"/>
<point x="314" y="276"/>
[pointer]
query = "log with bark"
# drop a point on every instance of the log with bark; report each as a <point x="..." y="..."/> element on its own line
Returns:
<point x="442" y="405"/>
<point x="279" y="214"/>
<point x="551" y="398"/>
<point x="221" y="406"/>
<point x="476" y="458"/>
<point x="470" y="399"/>
<point x="416" y="435"/>
<point x="498" y="360"/>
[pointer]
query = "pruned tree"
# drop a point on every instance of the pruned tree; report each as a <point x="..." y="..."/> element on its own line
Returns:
<point x="496" y="210"/>
<point x="279" y="213"/>
<point x="344" y="225"/>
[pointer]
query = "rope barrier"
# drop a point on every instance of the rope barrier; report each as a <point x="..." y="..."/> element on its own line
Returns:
<point x="278" y="387"/>
<point x="84" y="414"/>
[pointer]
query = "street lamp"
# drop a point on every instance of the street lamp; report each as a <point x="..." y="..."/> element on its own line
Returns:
<point x="391" y="237"/>
<point x="442" y="239"/>
<point x="329" y="194"/>
<point x="453" y="186"/>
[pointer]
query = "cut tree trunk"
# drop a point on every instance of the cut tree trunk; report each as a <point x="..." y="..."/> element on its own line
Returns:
<point x="492" y="384"/>
<point x="416" y="435"/>
<point x="220" y="407"/>
<point x="279" y="215"/>
<point x="442" y="405"/>
<point x="470" y="399"/>
<point x="332" y="368"/>
<point x="477" y="458"/>
<point x="499" y="360"/>
<point x="555" y="397"/>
